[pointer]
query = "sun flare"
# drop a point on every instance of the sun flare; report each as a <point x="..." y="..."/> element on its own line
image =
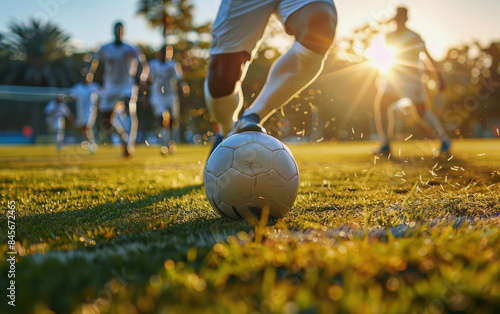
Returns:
<point x="381" y="55"/>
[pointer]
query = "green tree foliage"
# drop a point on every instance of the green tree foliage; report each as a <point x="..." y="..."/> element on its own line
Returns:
<point x="38" y="55"/>
<point x="174" y="16"/>
<point x="4" y="53"/>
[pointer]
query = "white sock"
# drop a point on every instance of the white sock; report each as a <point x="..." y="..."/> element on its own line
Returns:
<point x="61" y="126"/>
<point x="431" y="119"/>
<point x="290" y="74"/>
<point x="224" y="110"/>
<point x="60" y="136"/>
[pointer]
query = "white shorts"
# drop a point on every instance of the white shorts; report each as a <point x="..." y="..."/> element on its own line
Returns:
<point x="240" y="24"/>
<point x="402" y="88"/>
<point x="160" y="104"/>
<point x="56" y="124"/>
<point x="112" y="94"/>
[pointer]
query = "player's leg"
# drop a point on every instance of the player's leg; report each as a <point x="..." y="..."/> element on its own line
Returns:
<point x="134" y="120"/>
<point x="384" y="120"/>
<point x="313" y="26"/>
<point x="223" y="94"/>
<point x="113" y="111"/>
<point x="162" y="118"/>
<point x="433" y="122"/>
<point x="117" y="119"/>
<point x="60" y="128"/>
<point x="89" y="129"/>
<point x="174" y="125"/>
<point x="105" y="125"/>
<point x="165" y="128"/>
<point x="236" y="32"/>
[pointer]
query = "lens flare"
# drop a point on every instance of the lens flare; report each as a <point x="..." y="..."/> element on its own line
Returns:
<point x="381" y="55"/>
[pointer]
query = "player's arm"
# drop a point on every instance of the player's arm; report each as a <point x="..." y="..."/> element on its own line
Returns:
<point x="145" y="67"/>
<point x="93" y="67"/>
<point x="140" y="58"/>
<point x="180" y="78"/>
<point x="152" y="72"/>
<point x="434" y="68"/>
<point x="49" y="109"/>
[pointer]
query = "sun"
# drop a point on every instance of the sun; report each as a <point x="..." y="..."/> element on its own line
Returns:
<point x="381" y="55"/>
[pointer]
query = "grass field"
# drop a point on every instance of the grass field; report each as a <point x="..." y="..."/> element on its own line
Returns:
<point x="98" y="234"/>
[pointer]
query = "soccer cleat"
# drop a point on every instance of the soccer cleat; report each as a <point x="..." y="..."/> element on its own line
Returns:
<point x="218" y="140"/>
<point x="172" y="147"/>
<point x="164" y="150"/>
<point x="125" y="151"/>
<point x="445" y="146"/>
<point x="246" y="124"/>
<point x="383" y="150"/>
<point x="93" y="148"/>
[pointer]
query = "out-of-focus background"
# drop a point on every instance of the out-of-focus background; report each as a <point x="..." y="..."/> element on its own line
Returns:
<point x="46" y="47"/>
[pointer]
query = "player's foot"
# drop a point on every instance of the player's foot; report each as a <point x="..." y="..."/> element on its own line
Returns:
<point x="172" y="147"/>
<point x="445" y="146"/>
<point x="247" y="123"/>
<point x="93" y="148"/>
<point x="125" y="151"/>
<point x="218" y="140"/>
<point x="164" y="150"/>
<point x="385" y="149"/>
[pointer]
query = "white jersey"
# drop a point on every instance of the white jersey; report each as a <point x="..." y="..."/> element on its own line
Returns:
<point x="57" y="110"/>
<point x="84" y="101"/>
<point x="408" y="46"/>
<point x="117" y="61"/>
<point x="404" y="79"/>
<point x="166" y="76"/>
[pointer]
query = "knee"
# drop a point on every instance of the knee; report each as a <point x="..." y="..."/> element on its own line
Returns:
<point x="221" y="84"/>
<point x="420" y="109"/>
<point x="225" y="72"/>
<point x="314" y="26"/>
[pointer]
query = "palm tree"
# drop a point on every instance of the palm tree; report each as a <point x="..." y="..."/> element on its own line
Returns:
<point x="174" y="16"/>
<point x="38" y="55"/>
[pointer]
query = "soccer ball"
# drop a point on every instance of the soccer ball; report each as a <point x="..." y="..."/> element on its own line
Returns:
<point x="248" y="172"/>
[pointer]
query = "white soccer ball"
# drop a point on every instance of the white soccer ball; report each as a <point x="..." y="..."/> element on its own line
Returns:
<point x="248" y="172"/>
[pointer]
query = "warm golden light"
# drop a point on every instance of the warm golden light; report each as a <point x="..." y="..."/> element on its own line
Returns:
<point x="381" y="55"/>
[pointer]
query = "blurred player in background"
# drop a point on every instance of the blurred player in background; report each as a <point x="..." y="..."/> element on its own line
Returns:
<point x="403" y="80"/>
<point x="166" y="75"/>
<point x="86" y="97"/>
<point x="237" y="31"/>
<point x="120" y="87"/>
<point x="57" y="111"/>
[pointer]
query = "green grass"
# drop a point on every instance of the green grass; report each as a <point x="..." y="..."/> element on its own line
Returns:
<point x="96" y="233"/>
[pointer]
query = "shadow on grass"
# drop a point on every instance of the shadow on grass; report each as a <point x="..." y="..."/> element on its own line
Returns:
<point x="76" y="269"/>
<point x="106" y="221"/>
